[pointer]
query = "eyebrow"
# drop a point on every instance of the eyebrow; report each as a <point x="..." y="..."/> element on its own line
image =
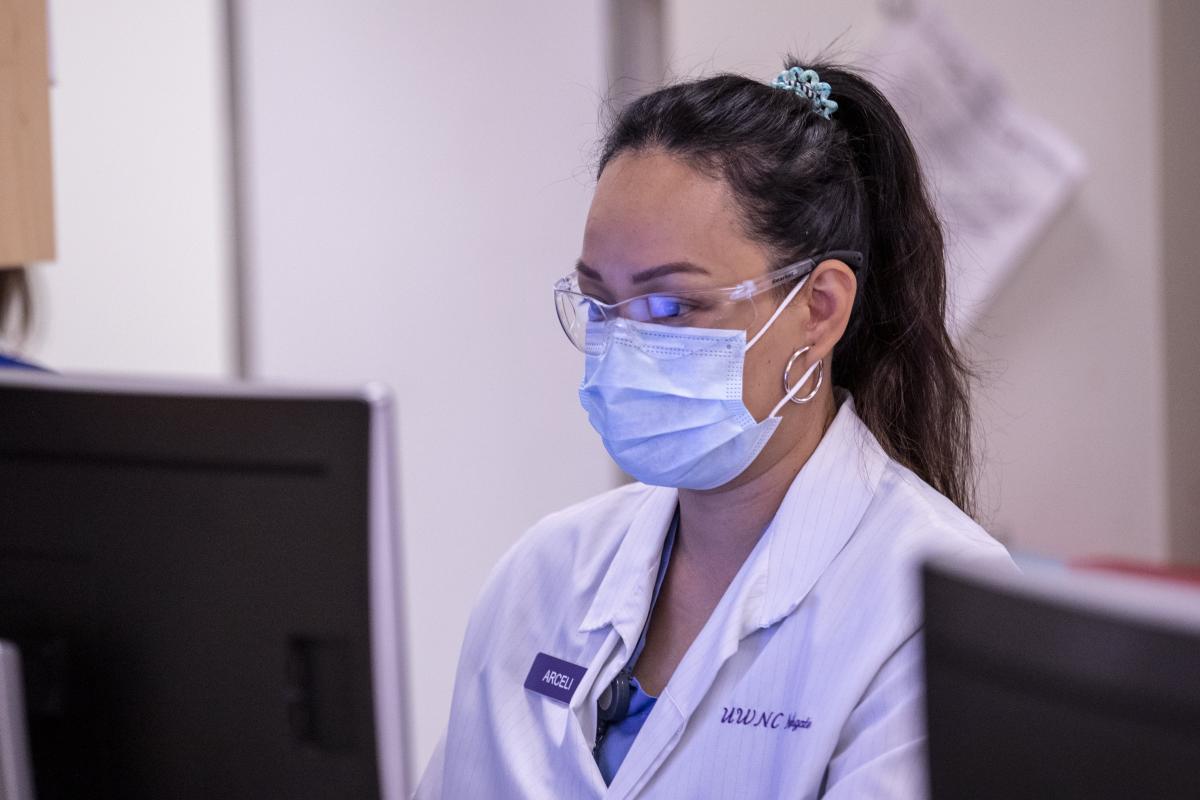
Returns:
<point x="646" y="274"/>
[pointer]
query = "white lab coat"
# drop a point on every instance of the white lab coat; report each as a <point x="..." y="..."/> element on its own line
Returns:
<point x="820" y="629"/>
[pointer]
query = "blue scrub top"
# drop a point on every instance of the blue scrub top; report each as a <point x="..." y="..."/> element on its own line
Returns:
<point x="619" y="736"/>
<point x="618" y="739"/>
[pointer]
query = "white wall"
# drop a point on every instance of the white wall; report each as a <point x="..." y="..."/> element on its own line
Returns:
<point x="1179" y="31"/>
<point x="143" y="281"/>
<point x="416" y="176"/>
<point x="1072" y="405"/>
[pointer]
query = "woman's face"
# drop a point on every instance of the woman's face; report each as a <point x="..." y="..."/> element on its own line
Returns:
<point x="658" y="225"/>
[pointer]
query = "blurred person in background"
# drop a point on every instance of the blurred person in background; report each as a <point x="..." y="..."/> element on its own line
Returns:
<point x="16" y="312"/>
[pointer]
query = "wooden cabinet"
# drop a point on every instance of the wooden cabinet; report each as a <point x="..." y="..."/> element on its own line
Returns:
<point x="26" y="195"/>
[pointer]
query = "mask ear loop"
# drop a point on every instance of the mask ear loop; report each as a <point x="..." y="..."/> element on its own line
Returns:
<point x="778" y="310"/>
<point x="795" y="390"/>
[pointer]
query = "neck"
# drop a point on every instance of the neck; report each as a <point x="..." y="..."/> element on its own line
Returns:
<point x="719" y="527"/>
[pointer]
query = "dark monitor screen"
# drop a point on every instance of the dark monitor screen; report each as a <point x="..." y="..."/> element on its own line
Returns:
<point x="203" y="585"/>
<point x="1053" y="684"/>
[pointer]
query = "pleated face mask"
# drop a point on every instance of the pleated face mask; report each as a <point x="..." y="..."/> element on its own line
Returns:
<point x="667" y="401"/>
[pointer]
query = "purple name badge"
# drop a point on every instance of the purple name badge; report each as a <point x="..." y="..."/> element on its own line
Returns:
<point x="554" y="677"/>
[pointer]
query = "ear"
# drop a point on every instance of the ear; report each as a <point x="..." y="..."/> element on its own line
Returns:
<point x="830" y="294"/>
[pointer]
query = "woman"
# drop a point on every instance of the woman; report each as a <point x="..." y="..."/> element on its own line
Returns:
<point x="761" y="305"/>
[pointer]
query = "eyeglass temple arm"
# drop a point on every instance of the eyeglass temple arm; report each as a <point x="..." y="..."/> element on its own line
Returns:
<point x="851" y="257"/>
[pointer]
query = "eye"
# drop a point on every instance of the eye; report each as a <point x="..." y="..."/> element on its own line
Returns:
<point x="664" y="306"/>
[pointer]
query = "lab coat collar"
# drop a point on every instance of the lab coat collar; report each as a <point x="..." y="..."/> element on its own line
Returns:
<point x="819" y="513"/>
<point x="624" y="593"/>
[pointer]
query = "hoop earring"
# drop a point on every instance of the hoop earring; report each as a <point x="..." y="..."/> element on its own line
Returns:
<point x="787" y="383"/>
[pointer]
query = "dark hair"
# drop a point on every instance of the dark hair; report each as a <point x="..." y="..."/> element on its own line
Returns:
<point x="806" y="184"/>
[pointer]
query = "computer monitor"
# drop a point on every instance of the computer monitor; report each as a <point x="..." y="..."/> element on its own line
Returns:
<point x="1054" y="684"/>
<point x="204" y="584"/>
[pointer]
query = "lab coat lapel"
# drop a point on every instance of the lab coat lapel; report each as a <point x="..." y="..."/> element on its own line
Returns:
<point x="655" y="741"/>
<point x="732" y="619"/>
<point x="570" y="728"/>
<point x="611" y="627"/>
<point x="591" y="651"/>
<point x="624" y="594"/>
<point x="573" y="722"/>
<point x="821" y="511"/>
<point x="623" y="599"/>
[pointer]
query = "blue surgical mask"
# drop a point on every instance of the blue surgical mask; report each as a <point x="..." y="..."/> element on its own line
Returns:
<point x="667" y="402"/>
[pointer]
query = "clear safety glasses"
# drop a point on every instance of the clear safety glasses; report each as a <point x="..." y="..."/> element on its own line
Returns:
<point x="584" y="318"/>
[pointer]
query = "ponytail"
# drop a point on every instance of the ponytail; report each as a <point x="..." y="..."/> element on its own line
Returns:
<point x="807" y="184"/>
<point x="911" y="386"/>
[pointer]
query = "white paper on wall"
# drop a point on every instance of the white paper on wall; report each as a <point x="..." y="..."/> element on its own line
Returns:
<point x="998" y="174"/>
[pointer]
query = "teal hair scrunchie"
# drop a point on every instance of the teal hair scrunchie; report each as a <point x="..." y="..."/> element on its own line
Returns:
<point x="806" y="83"/>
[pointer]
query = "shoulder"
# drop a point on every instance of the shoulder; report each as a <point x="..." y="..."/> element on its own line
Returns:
<point x="915" y="522"/>
<point x="583" y="531"/>
<point x="615" y="508"/>
<point x="573" y="546"/>
<point x="906" y="522"/>
<point x="555" y="569"/>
